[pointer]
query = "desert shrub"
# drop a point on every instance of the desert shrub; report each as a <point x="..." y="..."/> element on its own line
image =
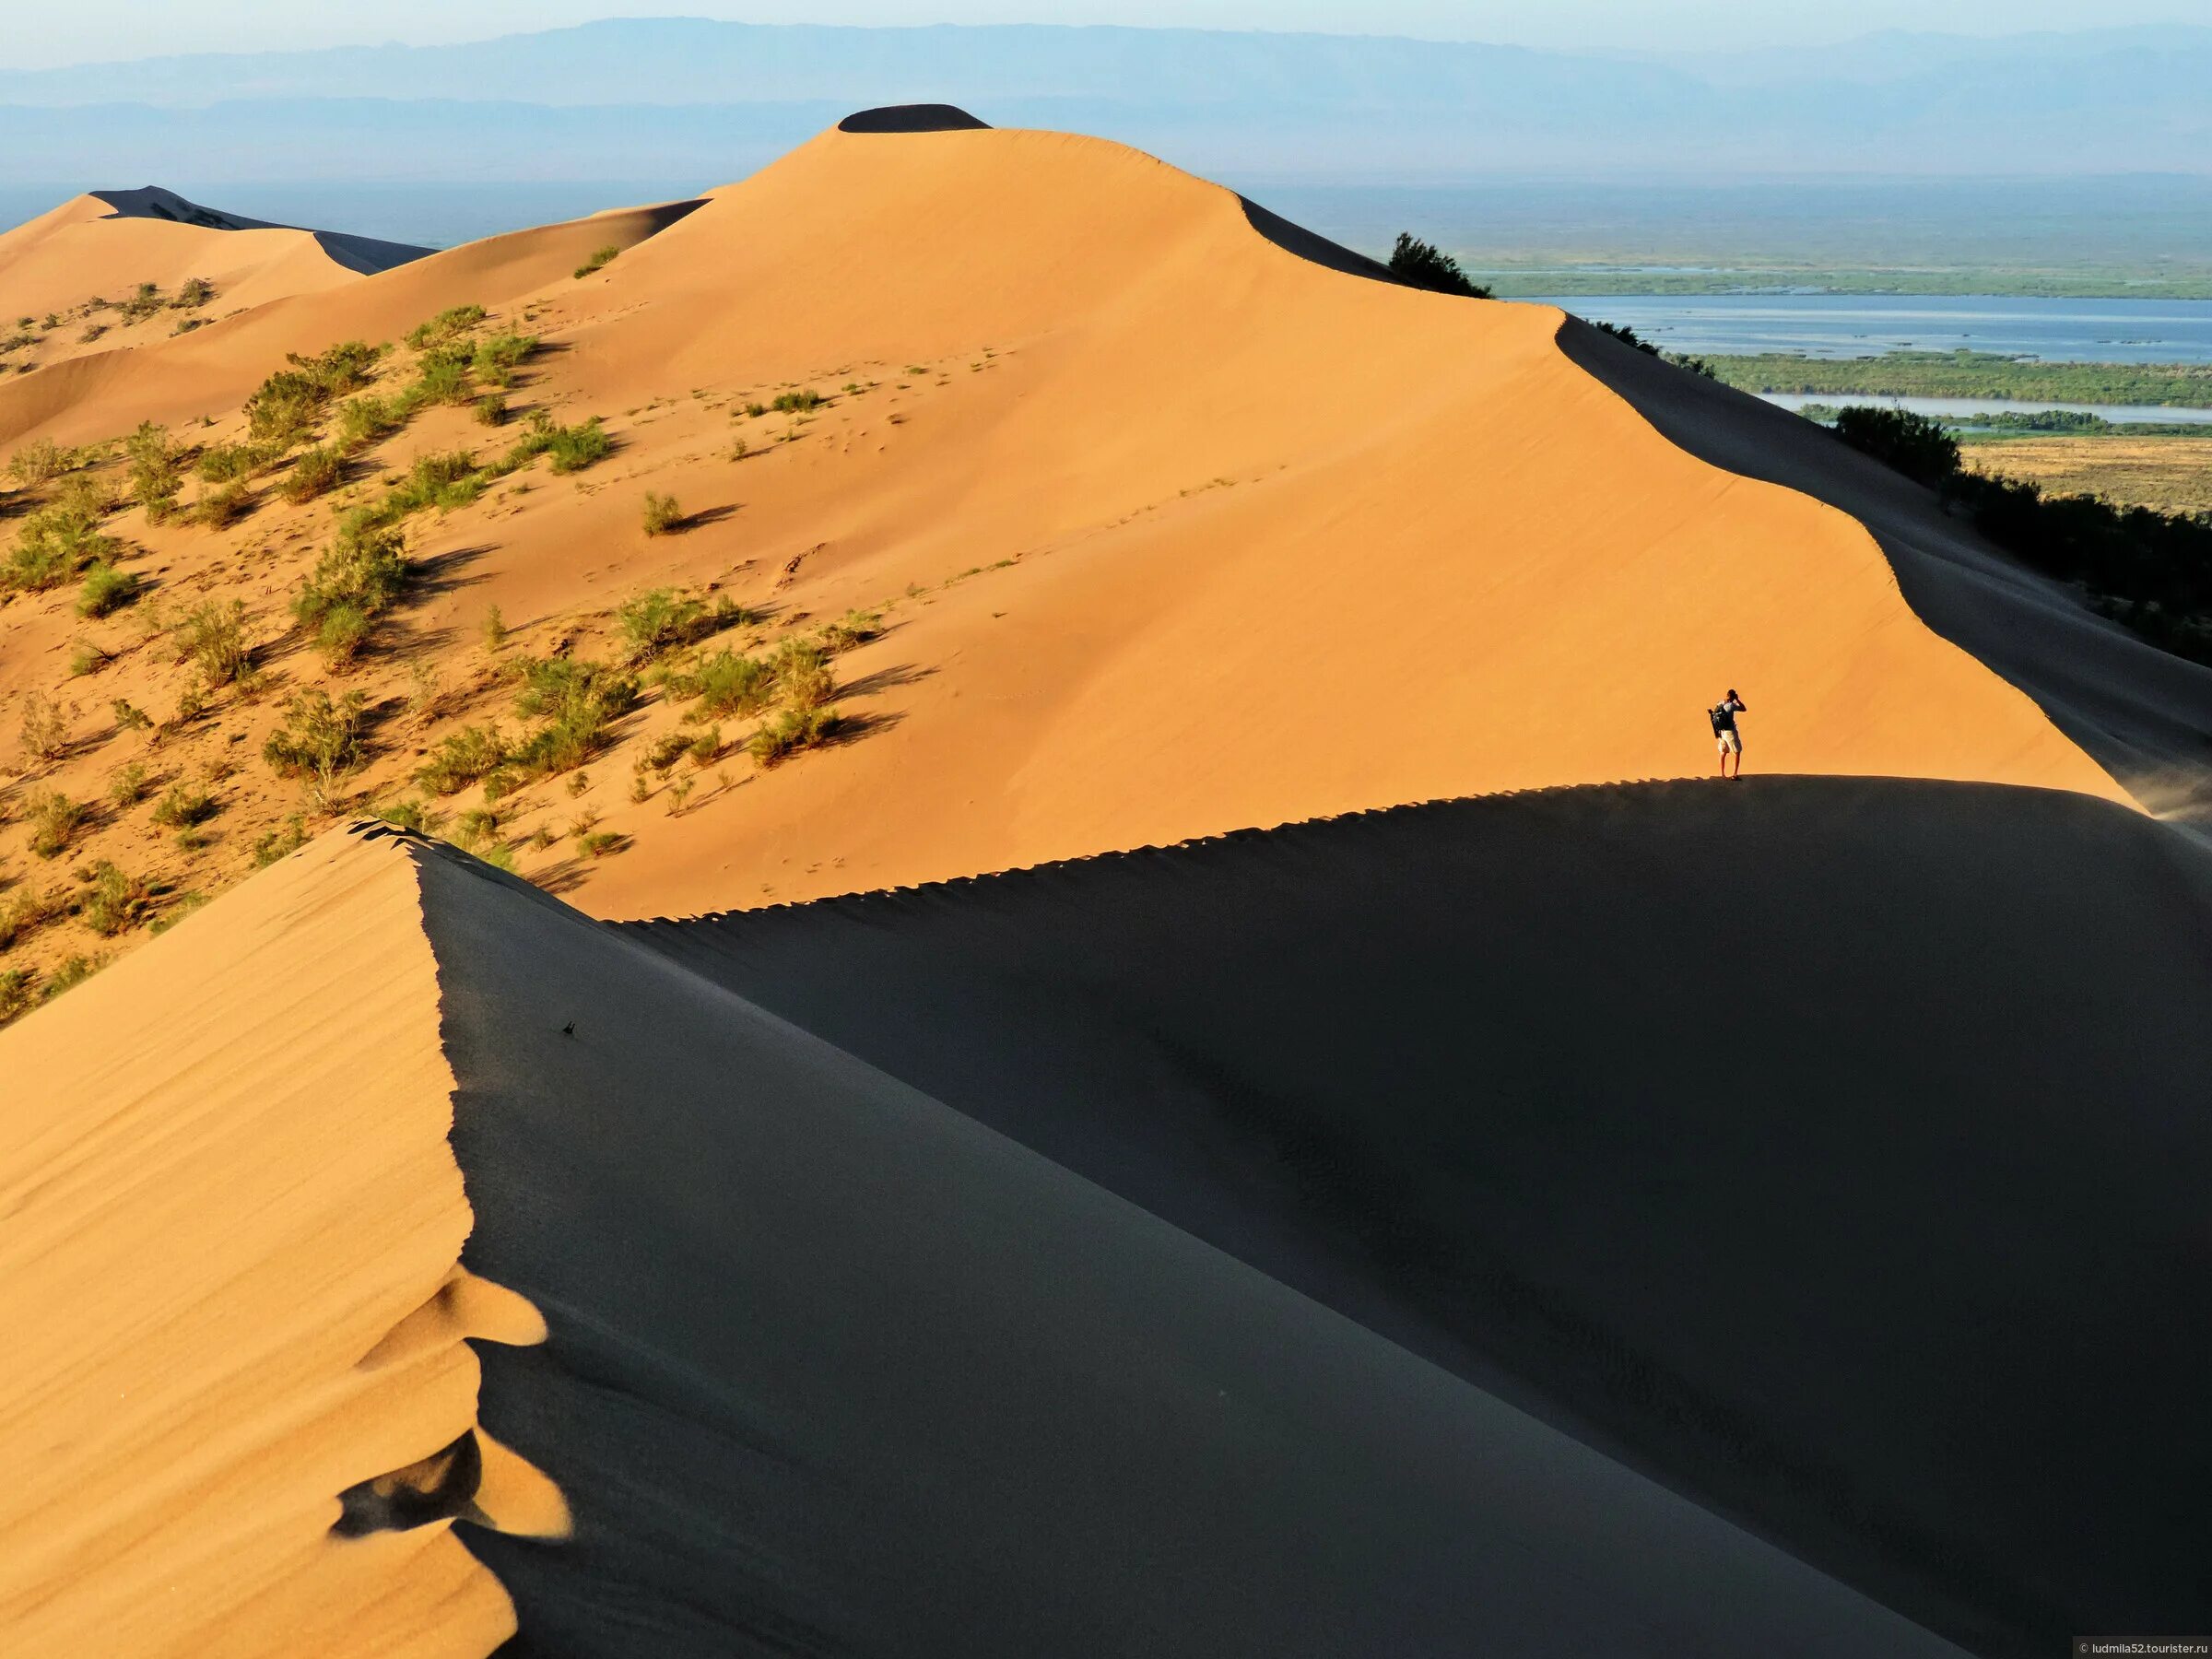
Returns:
<point x="1423" y="265"/>
<point x="448" y="323"/>
<point x="316" y="472"/>
<point x="705" y="748"/>
<point x="803" y="676"/>
<point x="728" y="683"/>
<point x="365" y="569"/>
<point x="71" y="973"/>
<point x="192" y="292"/>
<point x="183" y="805"/>
<point x="788" y="733"/>
<point x="797" y="403"/>
<point x="409" y="813"/>
<point x="462" y="758"/>
<point x="491" y="409"/>
<point x="25" y="913"/>
<point x="668" y="749"/>
<point x="15" y="992"/>
<point x="343" y="634"/>
<point x="45" y="728"/>
<point x="442" y="378"/>
<point x="854" y="627"/>
<point x="279" y="842"/>
<point x="227" y="463"/>
<point x="601" y="258"/>
<point x="129" y="717"/>
<point x="755" y="409"/>
<point x="598" y="843"/>
<point x="1913" y="445"/>
<point x="145" y="301"/>
<point x="213" y="636"/>
<point x="443" y="481"/>
<point x="88" y="658"/>
<point x="54" y="820"/>
<point x="155" y="474"/>
<point x="115" y="902"/>
<point x="38" y="460"/>
<point x="56" y="543"/>
<point x="217" y="508"/>
<point x="577" y="447"/>
<point x="129" y="786"/>
<point x="107" y="588"/>
<point x="494" y="629"/>
<point x="319" y="738"/>
<point x="497" y="357"/>
<point x="291" y="400"/>
<point x="576" y="702"/>
<point x="661" y="619"/>
<point x="663" y="516"/>
<point x="362" y="420"/>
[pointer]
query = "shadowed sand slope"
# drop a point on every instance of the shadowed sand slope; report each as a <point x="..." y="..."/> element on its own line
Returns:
<point x="834" y="1369"/>
<point x="1832" y="1148"/>
<point x="230" y="1225"/>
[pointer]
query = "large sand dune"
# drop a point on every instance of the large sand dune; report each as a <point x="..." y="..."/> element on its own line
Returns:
<point x="1644" y="1217"/>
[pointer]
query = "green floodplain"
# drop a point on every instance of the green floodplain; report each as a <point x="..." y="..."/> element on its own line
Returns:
<point x="1514" y="280"/>
<point x="1970" y="375"/>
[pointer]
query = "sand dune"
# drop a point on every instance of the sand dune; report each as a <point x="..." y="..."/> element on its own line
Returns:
<point x="173" y="379"/>
<point x="103" y="245"/>
<point x="1655" y="1217"/>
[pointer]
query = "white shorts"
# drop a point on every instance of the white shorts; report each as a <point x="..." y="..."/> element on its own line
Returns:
<point x="1730" y="742"/>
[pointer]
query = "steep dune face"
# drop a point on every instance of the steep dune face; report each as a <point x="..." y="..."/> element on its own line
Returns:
<point x="836" y="1369"/>
<point x="104" y="245"/>
<point x="1813" y="1144"/>
<point x="228" y="1279"/>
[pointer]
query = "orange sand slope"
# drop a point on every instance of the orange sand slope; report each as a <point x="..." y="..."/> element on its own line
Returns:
<point x="1286" y="540"/>
<point x="230" y="1229"/>
<point x="105" y="243"/>
<point x="1177" y="530"/>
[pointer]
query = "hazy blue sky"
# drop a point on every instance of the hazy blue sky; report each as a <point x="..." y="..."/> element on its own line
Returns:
<point x="92" y="30"/>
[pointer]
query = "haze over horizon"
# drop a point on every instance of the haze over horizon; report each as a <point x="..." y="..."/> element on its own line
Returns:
<point x="84" y="34"/>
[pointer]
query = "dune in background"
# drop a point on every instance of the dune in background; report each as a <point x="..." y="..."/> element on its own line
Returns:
<point x="80" y="263"/>
<point x="229" y="1278"/>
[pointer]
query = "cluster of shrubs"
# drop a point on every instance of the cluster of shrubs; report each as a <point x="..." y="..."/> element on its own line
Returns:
<point x="572" y="702"/>
<point x="791" y="686"/>
<point x="2149" y="569"/>
<point x="1423" y="265"/>
<point x="59" y="541"/>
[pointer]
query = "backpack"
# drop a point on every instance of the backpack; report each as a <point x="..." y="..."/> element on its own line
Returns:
<point x="1713" y="714"/>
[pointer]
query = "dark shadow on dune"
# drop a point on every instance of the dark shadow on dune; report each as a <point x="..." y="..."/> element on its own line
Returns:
<point x="2143" y="714"/>
<point x="912" y="118"/>
<point x="1311" y="244"/>
<point x="836" y="1369"/>
<point x="1814" y="1145"/>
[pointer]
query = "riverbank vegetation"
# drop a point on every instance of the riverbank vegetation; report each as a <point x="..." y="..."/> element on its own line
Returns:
<point x="1970" y="374"/>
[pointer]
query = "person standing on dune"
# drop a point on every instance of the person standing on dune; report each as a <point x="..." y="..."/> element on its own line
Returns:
<point x="1723" y="715"/>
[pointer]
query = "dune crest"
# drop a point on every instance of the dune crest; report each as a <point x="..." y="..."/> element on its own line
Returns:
<point x="229" y="1278"/>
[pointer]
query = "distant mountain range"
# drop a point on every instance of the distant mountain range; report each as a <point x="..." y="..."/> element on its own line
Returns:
<point x="632" y="98"/>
